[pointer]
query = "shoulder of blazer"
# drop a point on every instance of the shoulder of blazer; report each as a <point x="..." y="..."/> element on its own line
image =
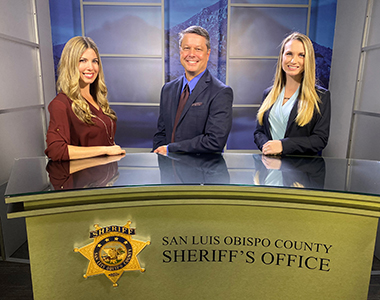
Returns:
<point x="174" y="83"/>
<point x="266" y="92"/>
<point x="324" y="95"/>
<point x="209" y="78"/>
<point x="320" y="90"/>
<point x="206" y="76"/>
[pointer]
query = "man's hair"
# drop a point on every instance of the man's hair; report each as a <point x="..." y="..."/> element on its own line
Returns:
<point x="197" y="30"/>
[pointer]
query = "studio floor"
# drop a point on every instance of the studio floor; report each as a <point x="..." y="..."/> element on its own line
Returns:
<point x="16" y="283"/>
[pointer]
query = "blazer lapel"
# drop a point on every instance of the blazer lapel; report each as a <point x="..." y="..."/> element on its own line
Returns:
<point x="266" y="123"/>
<point x="174" y="107"/>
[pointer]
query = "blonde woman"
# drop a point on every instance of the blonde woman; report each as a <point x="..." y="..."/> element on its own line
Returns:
<point x="81" y="124"/>
<point x="294" y="117"/>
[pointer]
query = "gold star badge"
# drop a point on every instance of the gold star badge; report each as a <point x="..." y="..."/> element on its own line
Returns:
<point x="112" y="252"/>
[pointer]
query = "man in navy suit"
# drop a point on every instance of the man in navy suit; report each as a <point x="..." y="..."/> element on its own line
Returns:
<point x="205" y="121"/>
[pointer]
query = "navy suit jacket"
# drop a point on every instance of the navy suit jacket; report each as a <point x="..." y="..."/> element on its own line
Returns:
<point x="205" y="121"/>
<point x="309" y="139"/>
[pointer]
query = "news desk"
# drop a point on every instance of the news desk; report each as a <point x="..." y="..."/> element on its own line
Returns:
<point x="230" y="226"/>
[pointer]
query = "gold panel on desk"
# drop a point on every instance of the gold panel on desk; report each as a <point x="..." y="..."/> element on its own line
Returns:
<point x="208" y="238"/>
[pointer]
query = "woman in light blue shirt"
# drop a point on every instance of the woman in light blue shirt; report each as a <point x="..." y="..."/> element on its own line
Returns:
<point x="294" y="117"/>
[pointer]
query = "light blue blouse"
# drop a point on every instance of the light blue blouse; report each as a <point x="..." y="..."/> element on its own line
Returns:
<point x="279" y="115"/>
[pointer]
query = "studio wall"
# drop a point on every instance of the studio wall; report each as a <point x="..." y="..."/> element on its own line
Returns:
<point x="138" y="43"/>
<point x="26" y="80"/>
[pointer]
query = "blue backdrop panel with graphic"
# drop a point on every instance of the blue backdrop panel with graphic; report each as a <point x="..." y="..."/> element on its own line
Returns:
<point x="254" y="31"/>
<point x="124" y="29"/>
<point x="122" y="84"/>
<point x="208" y="14"/>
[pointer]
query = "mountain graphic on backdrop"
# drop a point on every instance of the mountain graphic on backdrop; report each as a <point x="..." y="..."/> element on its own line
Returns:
<point x="214" y="19"/>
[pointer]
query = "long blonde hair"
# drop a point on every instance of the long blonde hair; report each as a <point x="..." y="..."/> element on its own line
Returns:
<point x="68" y="79"/>
<point x="308" y="97"/>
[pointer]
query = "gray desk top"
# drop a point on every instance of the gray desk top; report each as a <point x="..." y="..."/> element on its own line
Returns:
<point x="32" y="176"/>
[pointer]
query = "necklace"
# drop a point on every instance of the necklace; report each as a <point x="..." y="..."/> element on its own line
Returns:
<point x="110" y="141"/>
<point x="105" y="126"/>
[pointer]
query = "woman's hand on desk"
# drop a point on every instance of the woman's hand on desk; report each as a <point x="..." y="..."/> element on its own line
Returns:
<point x="114" y="150"/>
<point x="79" y="152"/>
<point x="272" y="147"/>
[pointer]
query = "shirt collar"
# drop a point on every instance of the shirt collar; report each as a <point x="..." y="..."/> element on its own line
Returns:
<point x="192" y="83"/>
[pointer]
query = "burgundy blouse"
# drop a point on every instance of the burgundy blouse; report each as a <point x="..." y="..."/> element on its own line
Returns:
<point x="66" y="129"/>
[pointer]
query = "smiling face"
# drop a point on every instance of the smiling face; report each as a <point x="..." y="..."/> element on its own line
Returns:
<point x="88" y="67"/>
<point x="293" y="59"/>
<point x="194" y="54"/>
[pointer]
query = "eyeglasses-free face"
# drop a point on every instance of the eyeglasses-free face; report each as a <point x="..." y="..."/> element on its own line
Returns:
<point x="293" y="59"/>
<point x="194" y="54"/>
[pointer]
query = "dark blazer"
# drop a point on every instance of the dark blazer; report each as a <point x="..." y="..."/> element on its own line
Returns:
<point x="309" y="139"/>
<point x="205" y="121"/>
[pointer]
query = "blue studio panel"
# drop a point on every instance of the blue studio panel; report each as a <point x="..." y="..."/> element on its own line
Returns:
<point x="140" y="51"/>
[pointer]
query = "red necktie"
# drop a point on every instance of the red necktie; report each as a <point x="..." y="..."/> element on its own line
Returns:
<point x="181" y="105"/>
